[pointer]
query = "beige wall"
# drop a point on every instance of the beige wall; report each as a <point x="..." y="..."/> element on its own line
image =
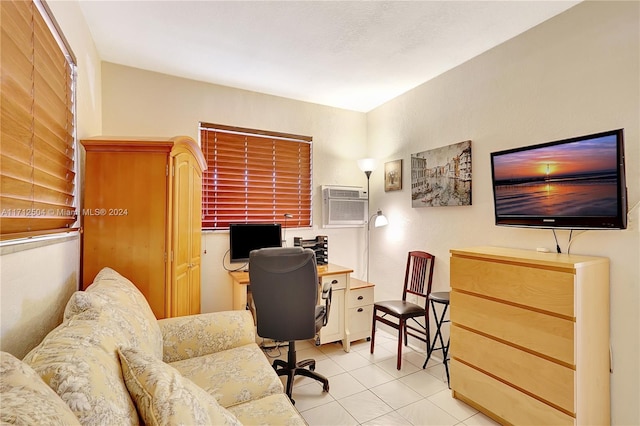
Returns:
<point x="36" y="280"/>
<point x="573" y="75"/>
<point x="142" y="103"/>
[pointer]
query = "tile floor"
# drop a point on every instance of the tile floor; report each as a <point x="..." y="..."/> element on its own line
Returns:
<point x="367" y="389"/>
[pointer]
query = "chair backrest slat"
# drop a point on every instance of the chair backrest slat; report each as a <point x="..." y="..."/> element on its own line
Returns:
<point x="418" y="275"/>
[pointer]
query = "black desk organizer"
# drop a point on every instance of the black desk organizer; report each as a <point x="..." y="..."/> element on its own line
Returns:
<point x="319" y="244"/>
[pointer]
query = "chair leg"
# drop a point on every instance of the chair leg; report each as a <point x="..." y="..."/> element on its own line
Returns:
<point x="373" y="331"/>
<point x="290" y="378"/>
<point x="279" y="363"/>
<point x="406" y="335"/>
<point x="315" y="376"/>
<point x="289" y="385"/>
<point x="401" y="328"/>
<point x="427" y="329"/>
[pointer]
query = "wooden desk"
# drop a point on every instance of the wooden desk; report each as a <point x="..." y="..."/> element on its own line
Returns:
<point x="241" y="281"/>
<point x="350" y="304"/>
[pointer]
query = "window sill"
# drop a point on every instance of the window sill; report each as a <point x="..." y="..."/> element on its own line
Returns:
<point x="15" y="246"/>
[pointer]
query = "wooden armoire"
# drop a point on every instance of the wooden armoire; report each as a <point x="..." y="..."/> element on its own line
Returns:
<point x="142" y="217"/>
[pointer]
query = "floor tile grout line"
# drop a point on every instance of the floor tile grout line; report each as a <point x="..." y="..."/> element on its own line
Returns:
<point x="334" y="353"/>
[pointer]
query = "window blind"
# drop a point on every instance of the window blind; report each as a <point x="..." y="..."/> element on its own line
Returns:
<point x="37" y="159"/>
<point x="255" y="176"/>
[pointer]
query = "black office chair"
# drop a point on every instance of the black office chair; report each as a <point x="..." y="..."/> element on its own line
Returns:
<point x="284" y="285"/>
<point x="417" y="281"/>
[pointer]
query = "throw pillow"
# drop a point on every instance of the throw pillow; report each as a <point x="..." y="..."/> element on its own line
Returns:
<point x="164" y="397"/>
<point x="26" y="399"/>
<point x="79" y="302"/>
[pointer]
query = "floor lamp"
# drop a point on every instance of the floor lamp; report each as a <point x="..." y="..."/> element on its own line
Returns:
<point x="368" y="165"/>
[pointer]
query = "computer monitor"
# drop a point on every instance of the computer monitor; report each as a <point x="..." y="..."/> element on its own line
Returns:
<point x="244" y="237"/>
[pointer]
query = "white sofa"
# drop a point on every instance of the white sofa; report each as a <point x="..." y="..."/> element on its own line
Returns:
<point x="111" y="362"/>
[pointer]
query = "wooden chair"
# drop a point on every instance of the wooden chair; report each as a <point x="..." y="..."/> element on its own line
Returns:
<point x="417" y="281"/>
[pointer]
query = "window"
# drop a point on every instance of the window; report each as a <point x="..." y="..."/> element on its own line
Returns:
<point x="37" y="121"/>
<point x="255" y="176"/>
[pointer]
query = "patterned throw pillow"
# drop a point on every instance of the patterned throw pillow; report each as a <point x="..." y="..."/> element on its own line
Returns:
<point x="164" y="397"/>
<point x="79" y="302"/>
<point x="80" y="362"/>
<point x="125" y="300"/>
<point x="26" y="399"/>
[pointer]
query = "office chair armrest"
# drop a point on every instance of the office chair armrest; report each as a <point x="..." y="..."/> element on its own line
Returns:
<point x="196" y="335"/>
<point x="326" y="290"/>
<point x="327" y="293"/>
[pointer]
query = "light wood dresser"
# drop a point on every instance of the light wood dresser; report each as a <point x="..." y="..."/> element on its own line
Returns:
<point x="530" y="335"/>
<point x="142" y="217"/>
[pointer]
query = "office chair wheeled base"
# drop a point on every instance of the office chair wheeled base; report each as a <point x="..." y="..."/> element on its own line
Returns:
<point x="292" y="368"/>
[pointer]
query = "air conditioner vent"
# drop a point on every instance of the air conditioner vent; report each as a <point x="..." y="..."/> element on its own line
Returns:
<point x="344" y="206"/>
<point x="344" y="193"/>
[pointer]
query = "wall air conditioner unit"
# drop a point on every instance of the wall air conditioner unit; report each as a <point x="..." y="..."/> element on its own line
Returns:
<point x="344" y="206"/>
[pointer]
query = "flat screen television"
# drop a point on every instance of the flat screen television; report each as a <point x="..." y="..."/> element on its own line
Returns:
<point x="576" y="183"/>
<point x="244" y="237"/>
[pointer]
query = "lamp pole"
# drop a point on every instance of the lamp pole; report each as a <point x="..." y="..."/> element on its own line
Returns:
<point x="367" y="165"/>
<point x="368" y="173"/>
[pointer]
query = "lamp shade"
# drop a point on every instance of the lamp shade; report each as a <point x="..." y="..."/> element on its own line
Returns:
<point x="381" y="220"/>
<point x="367" y="164"/>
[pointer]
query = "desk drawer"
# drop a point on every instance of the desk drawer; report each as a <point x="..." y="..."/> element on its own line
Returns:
<point x="549" y="381"/>
<point x="534" y="331"/>
<point x="360" y="297"/>
<point x="338" y="281"/>
<point x="503" y="401"/>
<point x="360" y="322"/>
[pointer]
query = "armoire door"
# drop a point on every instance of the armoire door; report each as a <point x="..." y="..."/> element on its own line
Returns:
<point x="186" y="232"/>
<point x="125" y="215"/>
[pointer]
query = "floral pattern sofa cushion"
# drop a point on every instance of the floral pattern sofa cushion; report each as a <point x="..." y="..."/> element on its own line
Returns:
<point x="196" y="335"/>
<point x="78" y="360"/>
<point x="26" y="399"/>
<point x="164" y="397"/>
<point x="241" y="374"/>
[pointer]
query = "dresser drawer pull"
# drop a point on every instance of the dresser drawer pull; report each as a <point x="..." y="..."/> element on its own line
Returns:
<point x="334" y="282"/>
<point x="360" y="309"/>
<point x="360" y="297"/>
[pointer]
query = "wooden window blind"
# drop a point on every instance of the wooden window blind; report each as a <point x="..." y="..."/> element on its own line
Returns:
<point x="255" y="176"/>
<point x="37" y="117"/>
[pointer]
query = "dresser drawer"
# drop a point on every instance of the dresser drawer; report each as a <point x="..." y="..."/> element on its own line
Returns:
<point x="550" y="381"/>
<point x="545" y="289"/>
<point x="360" y="297"/>
<point x="502" y="400"/>
<point x="540" y="333"/>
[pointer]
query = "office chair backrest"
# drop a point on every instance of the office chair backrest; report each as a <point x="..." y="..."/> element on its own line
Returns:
<point x="284" y="285"/>
<point x="418" y="275"/>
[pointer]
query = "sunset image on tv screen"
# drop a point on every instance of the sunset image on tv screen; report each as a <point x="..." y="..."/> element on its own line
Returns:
<point x="567" y="179"/>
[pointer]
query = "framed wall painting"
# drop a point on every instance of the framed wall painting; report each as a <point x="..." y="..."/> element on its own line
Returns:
<point x="442" y="176"/>
<point x="393" y="175"/>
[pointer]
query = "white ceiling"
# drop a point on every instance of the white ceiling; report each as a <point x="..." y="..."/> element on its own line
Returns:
<point x="347" y="54"/>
